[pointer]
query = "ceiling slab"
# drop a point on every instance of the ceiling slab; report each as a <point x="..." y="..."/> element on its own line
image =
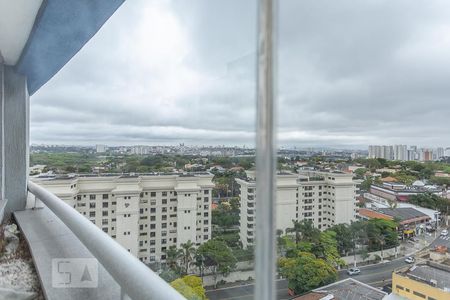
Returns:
<point x="16" y="22"/>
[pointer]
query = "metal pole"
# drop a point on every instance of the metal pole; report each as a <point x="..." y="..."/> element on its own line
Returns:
<point x="265" y="156"/>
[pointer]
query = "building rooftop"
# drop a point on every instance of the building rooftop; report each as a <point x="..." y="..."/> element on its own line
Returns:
<point x="431" y="273"/>
<point x="403" y="213"/>
<point x="347" y="289"/>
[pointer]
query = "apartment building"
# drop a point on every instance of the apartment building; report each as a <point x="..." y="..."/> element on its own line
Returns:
<point x="325" y="198"/>
<point x="145" y="214"/>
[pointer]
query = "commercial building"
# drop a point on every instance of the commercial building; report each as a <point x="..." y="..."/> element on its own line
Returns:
<point x="395" y="191"/>
<point x="145" y="214"/>
<point x="410" y="219"/>
<point x="325" y="198"/>
<point x="344" y="289"/>
<point x="427" y="280"/>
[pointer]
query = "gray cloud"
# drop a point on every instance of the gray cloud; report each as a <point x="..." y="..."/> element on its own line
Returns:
<point x="350" y="73"/>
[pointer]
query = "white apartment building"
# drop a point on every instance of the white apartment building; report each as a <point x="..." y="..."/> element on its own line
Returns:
<point x="325" y="198"/>
<point x="101" y="148"/>
<point x="400" y="152"/>
<point x="145" y="214"/>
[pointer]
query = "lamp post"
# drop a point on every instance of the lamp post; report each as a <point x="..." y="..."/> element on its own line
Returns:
<point x="436" y="214"/>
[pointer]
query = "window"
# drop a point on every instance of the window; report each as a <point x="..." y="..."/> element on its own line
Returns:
<point x="92" y="197"/>
<point x="92" y="205"/>
<point x="92" y="214"/>
<point x="164" y="201"/>
<point x="105" y="204"/>
<point x="399" y="287"/>
<point x="419" y="295"/>
<point x="105" y="196"/>
<point x="79" y="197"/>
<point x="105" y="213"/>
<point x="152" y="194"/>
<point x="164" y="194"/>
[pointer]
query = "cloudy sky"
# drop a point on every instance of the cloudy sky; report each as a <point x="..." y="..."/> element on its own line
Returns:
<point x="350" y="73"/>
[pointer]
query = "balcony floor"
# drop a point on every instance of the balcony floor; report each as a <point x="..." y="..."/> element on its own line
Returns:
<point x="49" y="238"/>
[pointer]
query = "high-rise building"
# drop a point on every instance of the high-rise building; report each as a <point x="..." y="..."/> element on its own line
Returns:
<point x="440" y="153"/>
<point x="386" y="152"/>
<point x="400" y="152"/>
<point x="145" y="214"/>
<point x="447" y="152"/>
<point x="325" y="198"/>
<point x="426" y="155"/>
<point x="101" y="148"/>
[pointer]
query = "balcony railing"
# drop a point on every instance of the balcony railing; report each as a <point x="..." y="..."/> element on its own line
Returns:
<point x="136" y="280"/>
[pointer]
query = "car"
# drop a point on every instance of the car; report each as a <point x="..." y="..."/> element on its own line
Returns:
<point x="410" y="260"/>
<point x="429" y="228"/>
<point x="353" y="271"/>
<point x="414" y="239"/>
<point x="444" y="232"/>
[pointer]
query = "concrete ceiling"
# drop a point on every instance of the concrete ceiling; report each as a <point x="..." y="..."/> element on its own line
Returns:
<point x="16" y="21"/>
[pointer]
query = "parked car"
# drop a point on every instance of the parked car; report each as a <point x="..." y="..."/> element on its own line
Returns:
<point x="353" y="271"/>
<point x="444" y="232"/>
<point x="414" y="239"/>
<point x="410" y="260"/>
<point x="429" y="228"/>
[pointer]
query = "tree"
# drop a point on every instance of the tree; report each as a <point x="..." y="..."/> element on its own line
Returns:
<point x="360" y="172"/>
<point x="306" y="272"/>
<point x="364" y="254"/>
<point x="173" y="255"/>
<point x="385" y="228"/>
<point x="343" y="238"/>
<point x="304" y="231"/>
<point x="218" y="257"/>
<point x="188" y="250"/>
<point x="326" y="249"/>
<point x="190" y="287"/>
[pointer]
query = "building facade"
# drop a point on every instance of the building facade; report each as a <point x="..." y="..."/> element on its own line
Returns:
<point x="145" y="214"/>
<point x="425" y="280"/>
<point x="322" y="197"/>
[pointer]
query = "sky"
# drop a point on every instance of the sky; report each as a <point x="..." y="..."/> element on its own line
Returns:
<point x="349" y="74"/>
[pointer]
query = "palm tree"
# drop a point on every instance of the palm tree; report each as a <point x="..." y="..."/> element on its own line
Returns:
<point x="304" y="230"/>
<point x="172" y="256"/>
<point x="188" y="251"/>
<point x="380" y="238"/>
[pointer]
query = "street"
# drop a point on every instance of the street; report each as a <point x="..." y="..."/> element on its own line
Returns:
<point x="375" y="275"/>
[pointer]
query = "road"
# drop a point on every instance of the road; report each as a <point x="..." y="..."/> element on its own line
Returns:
<point x="441" y="240"/>
<point x="375" y="275"/>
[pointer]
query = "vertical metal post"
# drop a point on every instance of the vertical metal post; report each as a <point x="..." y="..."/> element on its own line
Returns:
<point x="265" y="156"/>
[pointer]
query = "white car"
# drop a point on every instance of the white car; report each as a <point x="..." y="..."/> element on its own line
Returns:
<point x="444" y="232"/>
<point x="410" y="260"/>
<point x="353" y="271"/>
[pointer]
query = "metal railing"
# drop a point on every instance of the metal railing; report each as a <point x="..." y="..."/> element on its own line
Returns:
<point x="136" y="280"/>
